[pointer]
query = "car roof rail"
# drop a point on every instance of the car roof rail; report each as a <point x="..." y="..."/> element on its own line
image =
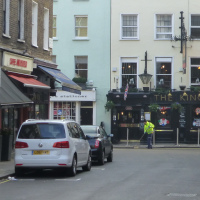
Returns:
<point x="28" y="120"/>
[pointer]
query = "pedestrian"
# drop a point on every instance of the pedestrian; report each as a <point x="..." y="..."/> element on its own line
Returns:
<point x="149" y="129"/>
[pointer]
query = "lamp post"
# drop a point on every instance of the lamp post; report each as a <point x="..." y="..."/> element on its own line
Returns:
<point x="145" y="77"/>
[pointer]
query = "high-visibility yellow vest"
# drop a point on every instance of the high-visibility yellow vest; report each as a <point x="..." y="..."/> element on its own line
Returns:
<point x="149" y="128"/>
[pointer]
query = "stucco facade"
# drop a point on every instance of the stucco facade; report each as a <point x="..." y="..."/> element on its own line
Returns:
<point x="94" y="47"/>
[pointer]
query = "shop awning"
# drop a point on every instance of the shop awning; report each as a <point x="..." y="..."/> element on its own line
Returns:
<point x="67" y="84"/>
<point x="10" y="95"/>
<point x="28" y="80"/>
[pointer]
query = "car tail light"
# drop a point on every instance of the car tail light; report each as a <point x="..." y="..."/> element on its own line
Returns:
<point x="96" y="144"/>
<point x="20" y="145"/>
<point x="63" y="144"/>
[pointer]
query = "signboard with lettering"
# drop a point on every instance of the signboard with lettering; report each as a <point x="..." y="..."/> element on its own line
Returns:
<point x="17" y="62"/>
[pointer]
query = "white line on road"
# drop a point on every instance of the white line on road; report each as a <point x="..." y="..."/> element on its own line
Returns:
<point x="99" y="168"/>
<point x="68" y="179"/>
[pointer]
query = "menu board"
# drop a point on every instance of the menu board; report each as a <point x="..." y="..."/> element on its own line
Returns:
<point x="182" y="119"/>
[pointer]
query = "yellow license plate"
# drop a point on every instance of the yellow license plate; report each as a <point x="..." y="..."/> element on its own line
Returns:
<point x="41" y="152"/>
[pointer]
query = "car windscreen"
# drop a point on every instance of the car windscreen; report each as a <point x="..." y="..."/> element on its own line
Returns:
<point x="89" y="130"/>
<point x="42" y="131"/>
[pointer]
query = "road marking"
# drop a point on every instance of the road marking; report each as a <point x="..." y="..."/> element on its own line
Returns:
<point x="98" y="168"/>
<point x="4" y="181"/>
<point x="181" y="195"/>
<point x="68" y="179"/>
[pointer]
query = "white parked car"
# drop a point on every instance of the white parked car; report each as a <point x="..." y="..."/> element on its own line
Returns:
<point x="49" y="144"/>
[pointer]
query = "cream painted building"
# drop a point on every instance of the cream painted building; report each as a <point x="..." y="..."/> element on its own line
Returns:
<point x="167" y="33"/>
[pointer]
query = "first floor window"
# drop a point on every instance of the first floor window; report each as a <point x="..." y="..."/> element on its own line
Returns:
<point x="195" y="26"/>
<point x="164" y="73"/>
<point x="163" y="26"/>
<point x="64" y="110"/>
<point x="81" y="66"/>
<point x="129" y="26"/>
<point x="129" y="72"/>
<point x="195" y="71"/>
<point x="81" y="26"/>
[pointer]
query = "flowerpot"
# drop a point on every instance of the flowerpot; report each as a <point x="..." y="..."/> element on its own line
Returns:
<point x="6" y="147"/>
<point x="182" y="87"/>
<point x="146" y="89"/>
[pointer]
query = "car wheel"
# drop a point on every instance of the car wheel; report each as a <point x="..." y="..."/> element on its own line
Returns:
<point x="87" y="167"/>
<point x="18" y="171"/>
<point x="110" y="157"/>
<point x="102" y="158"/>
<point x="73" y="168"/>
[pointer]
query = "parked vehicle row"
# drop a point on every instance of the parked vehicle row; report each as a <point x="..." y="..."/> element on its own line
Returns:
<point x="60" y="144"/>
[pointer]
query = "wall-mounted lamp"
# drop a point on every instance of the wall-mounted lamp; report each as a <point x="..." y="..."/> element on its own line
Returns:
<point x="169" y="94"/>
<point x="185" y="94"/>
<point x="145" y="78"/>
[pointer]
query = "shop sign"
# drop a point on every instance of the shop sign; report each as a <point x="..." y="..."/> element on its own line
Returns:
<point x="17" y="62"/>
<point x="128" y="108"/>
<point x="67" y="96"/>
<point x="180" y="98"/>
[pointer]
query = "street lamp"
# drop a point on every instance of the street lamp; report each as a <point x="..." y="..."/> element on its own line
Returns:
<point x="145" y="78"/>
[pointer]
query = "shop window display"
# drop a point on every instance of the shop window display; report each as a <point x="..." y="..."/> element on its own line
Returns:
<point x="64" y="110"/>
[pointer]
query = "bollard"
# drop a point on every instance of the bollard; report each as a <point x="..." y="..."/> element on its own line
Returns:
<point x="154" y="137"/>
<point x="177" y="136"/>
<point x="127" y="136"/>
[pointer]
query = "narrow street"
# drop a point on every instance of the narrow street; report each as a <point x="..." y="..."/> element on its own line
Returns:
<point x="134" y="174"/>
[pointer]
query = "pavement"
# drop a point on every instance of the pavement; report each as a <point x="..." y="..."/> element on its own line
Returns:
<point x="7" y="168"/>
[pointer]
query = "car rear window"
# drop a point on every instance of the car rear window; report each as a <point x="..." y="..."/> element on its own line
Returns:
<point x="92" y="131"/>
<point x="42" y="131"/>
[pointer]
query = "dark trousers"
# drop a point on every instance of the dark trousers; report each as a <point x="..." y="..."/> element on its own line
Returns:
<point x="149" y="141"/>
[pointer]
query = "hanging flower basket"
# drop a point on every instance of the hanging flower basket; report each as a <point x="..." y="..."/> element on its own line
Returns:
<point x="109" y="105"/>
<point x="153" y="107"/>
<point x="177" y="106"/>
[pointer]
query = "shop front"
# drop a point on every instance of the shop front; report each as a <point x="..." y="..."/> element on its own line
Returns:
<point x="78" y="107"/>
<point x="176" y="115"/>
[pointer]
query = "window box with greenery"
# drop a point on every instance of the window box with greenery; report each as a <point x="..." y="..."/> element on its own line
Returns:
<point x="153" y="107"/>
<point x="177" y="107"/>
<point x="7" y="139"/>
<point x="109" y="105"/>
<point x="79" y="80"/>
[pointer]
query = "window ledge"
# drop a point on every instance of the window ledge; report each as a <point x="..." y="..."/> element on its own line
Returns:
<point x="20" y="40"/>
<point x="129" y="39"/>
<point x="45" y="49"/>
<point x="33" y="45"/>
<point x="6" y="36"/>
<point x="81" y="39"/>
<point x="55" y="38"/>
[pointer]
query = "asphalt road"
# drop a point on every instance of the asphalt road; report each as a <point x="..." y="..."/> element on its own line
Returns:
<point x="138" y="174"/>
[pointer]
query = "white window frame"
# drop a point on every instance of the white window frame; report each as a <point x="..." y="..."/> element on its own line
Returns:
<point x="21" y="21"/>
<point x="79" y="37"/>
<point x="190" y="23"/>
<point x="34" y="23"/>
<point x="55" y="27"/>
<point x="46" y="29"/>
<point x="164" y="33"/>
<point x="190" y="75"/>
<point x="166" y="60"/>
<point x="84" y="61"/>
<point x="137" y="26"/>
<point x="6" y="9"/>
<point x="128" y="60"/>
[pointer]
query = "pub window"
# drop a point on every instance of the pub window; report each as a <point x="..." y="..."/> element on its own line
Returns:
<point x="129" y="72"/>
<point x="195" y="71"/>
<point x="164" y="73"/>
<point x="164" y="117"/>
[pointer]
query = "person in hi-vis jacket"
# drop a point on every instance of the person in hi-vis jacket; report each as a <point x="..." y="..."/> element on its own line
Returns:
<point x="149" y="129"/>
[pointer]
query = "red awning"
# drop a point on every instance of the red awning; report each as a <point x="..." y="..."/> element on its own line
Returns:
<point x="28" y="81"/>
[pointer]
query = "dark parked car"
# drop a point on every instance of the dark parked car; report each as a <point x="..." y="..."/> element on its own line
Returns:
<point x="100" y="143"/>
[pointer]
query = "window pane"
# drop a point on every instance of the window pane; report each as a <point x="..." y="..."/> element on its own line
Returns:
<point x="129" y="20"/>
<point x="195" y="21"/>
<point x="195" y="61"/>
<point x="195" y="75"/>
<point x="81" y="21"/>
<point x="195" y="32"/>
<point x="81" y="66"/>
<point x="129" y="32"/>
